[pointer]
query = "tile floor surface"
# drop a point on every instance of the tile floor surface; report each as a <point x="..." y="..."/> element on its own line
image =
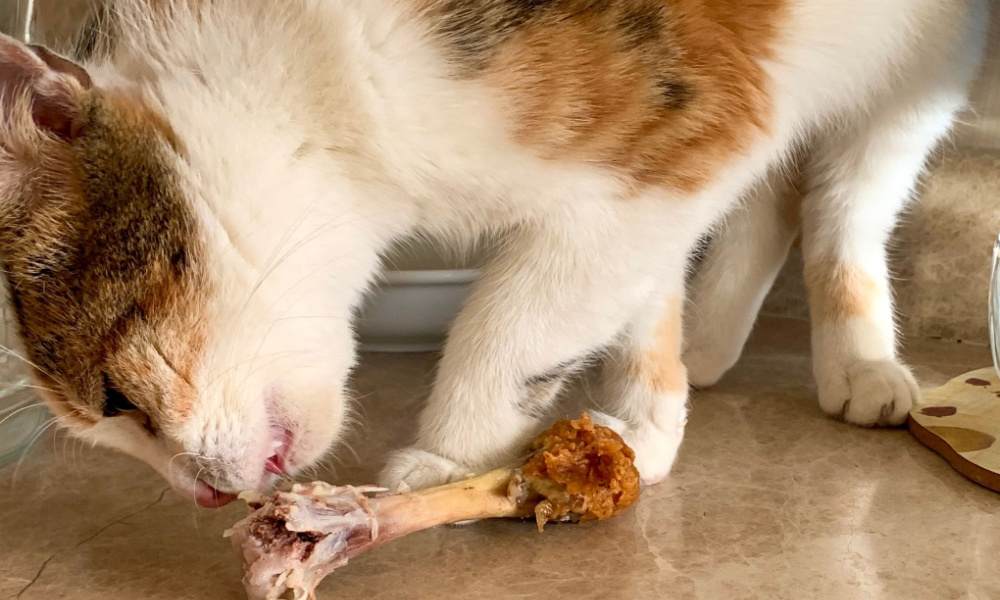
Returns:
<point x="769" y="500"/>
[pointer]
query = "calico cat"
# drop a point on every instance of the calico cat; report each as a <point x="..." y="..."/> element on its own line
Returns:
<point x="189" y="216"/>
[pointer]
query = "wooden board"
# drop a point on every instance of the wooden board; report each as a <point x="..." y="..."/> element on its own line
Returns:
<point x="961" y="421"/>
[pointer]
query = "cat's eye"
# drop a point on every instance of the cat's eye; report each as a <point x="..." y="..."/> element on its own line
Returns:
<point x="115" y="402"/>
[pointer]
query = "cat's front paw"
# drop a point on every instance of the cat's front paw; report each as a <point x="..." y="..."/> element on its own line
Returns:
<point x="655" y="448"/>
<point x="412" y="468"/>
<point x="868" y="392"/>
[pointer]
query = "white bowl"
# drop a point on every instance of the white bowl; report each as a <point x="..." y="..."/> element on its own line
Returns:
<point x="412" y="310"/>
<point x="419" y="296"/>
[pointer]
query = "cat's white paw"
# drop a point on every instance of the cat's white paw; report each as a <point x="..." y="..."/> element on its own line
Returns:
<point x="868" y="393"/>
<point x="416" y="469"/>
<point x="655" y="449"/>
<point x="605" y="420"/>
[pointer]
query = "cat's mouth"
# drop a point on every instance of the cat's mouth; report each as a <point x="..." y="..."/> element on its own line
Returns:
<point x="204" y="494"/>
<point x="277" y="463"/>
<point x="208" y="497"/>
<point x="276" y="466"/>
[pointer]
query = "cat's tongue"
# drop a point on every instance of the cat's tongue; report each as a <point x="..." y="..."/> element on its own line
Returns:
<point x="208" y="497"/>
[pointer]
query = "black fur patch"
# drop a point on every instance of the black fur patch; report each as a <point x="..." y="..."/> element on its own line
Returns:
<point x="475" y="28"/>
<point x="676" y="94"/>
<point x="473" y="31"/>
<point x="179" y="260"/>
<point x="98" y="35"/>
<point x="97" y="263"/>
<point x="642" y="25"/>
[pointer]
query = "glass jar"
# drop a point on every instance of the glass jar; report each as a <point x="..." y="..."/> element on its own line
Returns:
<point x="995" y="307"/>
<point x="17" y="18"/>
<point x="22" y="413"/>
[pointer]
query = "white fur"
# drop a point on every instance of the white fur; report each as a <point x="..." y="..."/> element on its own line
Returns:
<point x="329" y="130"/>
<point x="890" y="77"/>
<point x="733" y="280"/>
<point x="862" y="170"/>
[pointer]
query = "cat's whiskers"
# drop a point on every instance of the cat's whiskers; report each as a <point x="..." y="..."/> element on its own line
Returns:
<point x="278" y="255"/>
<point x="40" y="388"/>
<point x="66" y="439"/>
<point x="236" y="365"/>
<point x="11" y="352"/>
<point x="170" y="463"/>
<point x="347" y="446"/>
<point x="194" y="488"/>
<point x="78" y="448"/>
<point x="319" y="230"/>
<point x="266" y="272"/>
<point x="249" y="365"/>
<point x="52" y="422"/>
<point x="14" y="412"/>
<point x="310" y="237"/>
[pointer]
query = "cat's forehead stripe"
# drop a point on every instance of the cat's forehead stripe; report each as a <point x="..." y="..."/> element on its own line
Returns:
<point x="128" y="256"/>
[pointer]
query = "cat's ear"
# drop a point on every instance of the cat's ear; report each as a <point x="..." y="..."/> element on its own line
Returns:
<point x="53" y="85"/>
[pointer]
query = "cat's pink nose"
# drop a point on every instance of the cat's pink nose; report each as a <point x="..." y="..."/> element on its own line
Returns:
<point x="277" y="463"/>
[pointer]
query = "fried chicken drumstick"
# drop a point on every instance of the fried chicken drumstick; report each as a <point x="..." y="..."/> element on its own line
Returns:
<point x="293" y="539"/>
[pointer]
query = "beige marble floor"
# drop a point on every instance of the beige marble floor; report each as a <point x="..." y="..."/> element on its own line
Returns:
<point x="769" y="500"/>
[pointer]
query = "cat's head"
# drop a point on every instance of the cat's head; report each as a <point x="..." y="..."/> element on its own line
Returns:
<point x="149" y="328"/>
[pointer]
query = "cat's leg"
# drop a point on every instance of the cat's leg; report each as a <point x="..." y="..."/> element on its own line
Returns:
<point x="552" y="298"/>
<point x="645" y="382"/>
<point x="734" y="278"/>
<point x="858" y="182"/>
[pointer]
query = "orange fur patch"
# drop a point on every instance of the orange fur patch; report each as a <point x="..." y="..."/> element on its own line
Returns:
<point x="184" y="360"/>
<point x="662" y="92"/>
<point x="101" y="262"/>
<point x="138" y="113"/>
<point x="71" y="415"/>
<point x="661" y="365"/>
<point x="838" y="292"/>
